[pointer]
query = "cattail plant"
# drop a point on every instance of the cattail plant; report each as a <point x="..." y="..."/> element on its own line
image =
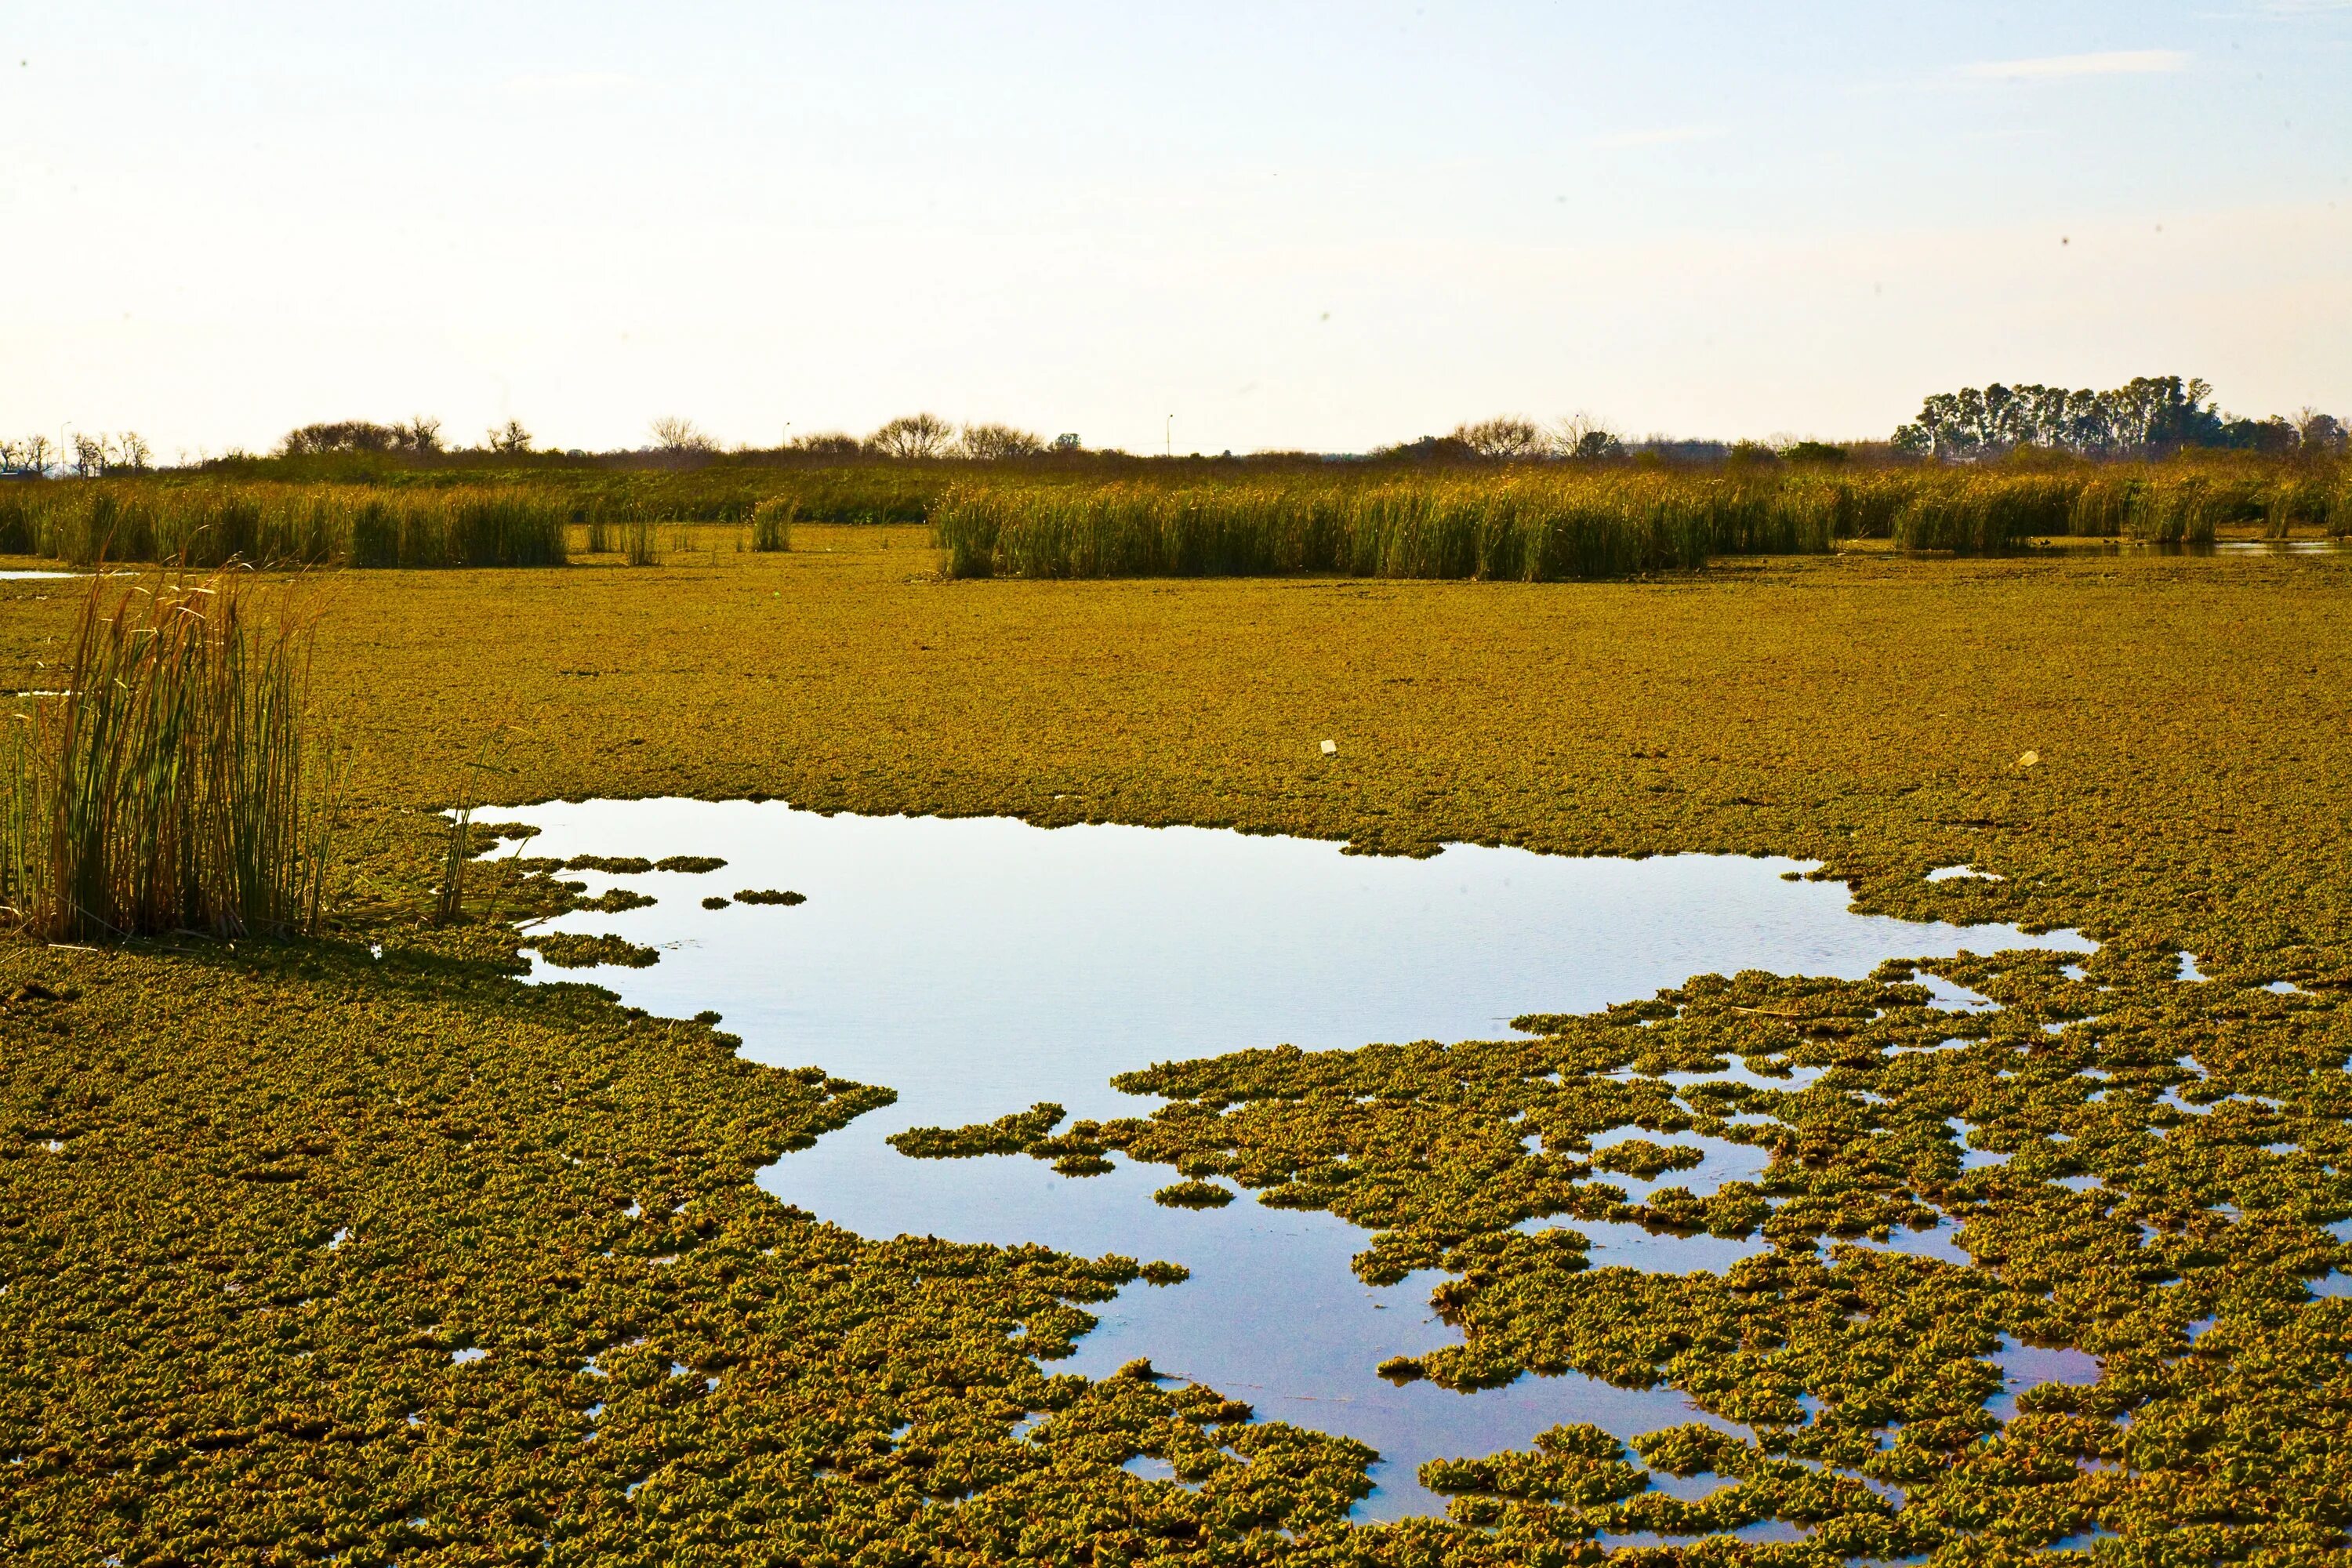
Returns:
<point x="637" y="543"/>
<point x="457" y="849"/>
<point x="175" y="782"/>
<point x="771" y="523"/>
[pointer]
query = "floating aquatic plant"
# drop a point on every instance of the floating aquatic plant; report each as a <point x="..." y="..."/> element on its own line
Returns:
<point x="219" y="1115"/>
<point x="689" y="864"/>
<point x="1193" y="1196"/>
<point x="566" y="950"/>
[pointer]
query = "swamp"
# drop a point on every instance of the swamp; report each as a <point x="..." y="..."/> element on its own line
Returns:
<point x="912" y="785"/>
<point x="1828" y="1049"/>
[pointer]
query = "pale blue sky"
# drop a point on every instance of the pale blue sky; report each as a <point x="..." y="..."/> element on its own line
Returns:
<point x="1287" y="225"/>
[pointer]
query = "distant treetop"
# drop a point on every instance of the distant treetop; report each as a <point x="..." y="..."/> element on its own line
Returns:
<point x="2145" y="417"/>
<point x="419" y="434"/>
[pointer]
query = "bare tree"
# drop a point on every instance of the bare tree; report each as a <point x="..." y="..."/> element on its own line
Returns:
<point x="131" y="452"/>
<point x="913" y="436"/>
<point x="672" y="434"/>
<point x="1502" y="439"/>
<point x="511" y="438"/>
<point x="422" y="434"/>
<point x="993" y="443"/>
<point x="827" y="444"/>
<point x="89" y="455"/>
<point x="33" y="455"/>
<point x="1586" y="437"/>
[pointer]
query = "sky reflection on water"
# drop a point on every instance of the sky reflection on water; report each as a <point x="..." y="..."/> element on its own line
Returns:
<point x="978" y="965"/>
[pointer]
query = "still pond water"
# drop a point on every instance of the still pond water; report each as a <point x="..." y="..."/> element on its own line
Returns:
<point x="977" y="966"/>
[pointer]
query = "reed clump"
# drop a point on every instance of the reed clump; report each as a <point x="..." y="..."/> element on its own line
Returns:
<point x="174" y="780"/>
<point x="2189" y="509"/>
<point x="1983" y="515"/>
<point x="1525" y="528"/>
<point x="637" y="543"/>
<point x="771" y="523"/>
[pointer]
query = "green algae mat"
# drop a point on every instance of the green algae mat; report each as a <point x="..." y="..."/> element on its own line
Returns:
<point x="359" y="1250"/>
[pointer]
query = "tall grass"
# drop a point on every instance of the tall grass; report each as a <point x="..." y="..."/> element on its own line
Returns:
<point x="771" y="523"/>
<point x="208" y="525"/>
<point x="1530" y="520"/>
<point x="1537" y="525"/>
<point x="1983" y="515"/>
<point x="2186" y="511"/>
<point x="174" y="782"/>
<point x="637" y="543"/>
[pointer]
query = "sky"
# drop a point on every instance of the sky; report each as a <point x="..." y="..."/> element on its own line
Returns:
<point x="1200" y="227"/>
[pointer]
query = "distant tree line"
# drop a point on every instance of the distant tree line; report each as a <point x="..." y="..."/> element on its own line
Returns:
<point x="1513" y="439"/>
<point x="913" y="436"/>
<point x="2147" y="416"/>
<point x="95" y="455"/>
<point x="920" y="436"/>
<point x="420" y="435"/>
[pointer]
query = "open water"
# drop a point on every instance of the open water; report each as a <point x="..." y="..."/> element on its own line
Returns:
<point x="978" y="965"/>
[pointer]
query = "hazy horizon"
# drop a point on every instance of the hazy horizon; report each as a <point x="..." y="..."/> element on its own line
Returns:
<point x="1296" y="228"/>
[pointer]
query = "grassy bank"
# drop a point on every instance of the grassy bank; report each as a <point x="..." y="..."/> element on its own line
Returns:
<point x="206" y="1371"/>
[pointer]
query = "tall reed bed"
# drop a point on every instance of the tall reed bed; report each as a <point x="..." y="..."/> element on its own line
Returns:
<point x="1986" y="511"/>
<point x="1981" y="514"/>
<point x="173" y="780"/>
<point x="1527" y="526"/>
<point x="210" y="524"/>
<point x="1537" y="525"/>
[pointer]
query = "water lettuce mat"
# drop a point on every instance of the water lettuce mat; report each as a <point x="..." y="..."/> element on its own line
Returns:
<point x="311" y="1252"/>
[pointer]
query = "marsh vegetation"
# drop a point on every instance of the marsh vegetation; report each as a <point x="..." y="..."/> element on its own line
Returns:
<point x="173" y="775"/>
<point x="1535" y="521"/>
